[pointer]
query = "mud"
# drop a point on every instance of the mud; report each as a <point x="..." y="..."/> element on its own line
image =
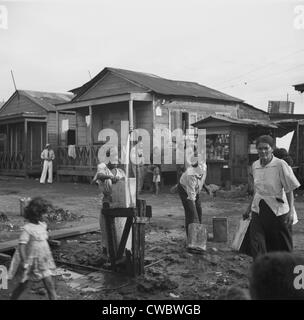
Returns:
<point x="170" y="271"/>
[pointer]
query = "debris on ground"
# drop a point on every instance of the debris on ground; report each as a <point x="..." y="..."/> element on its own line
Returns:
<point x="156" y="283"/>
<point x="3" y="217"/>
<point x="59" y="215"/>
<point x="6" y="225"/>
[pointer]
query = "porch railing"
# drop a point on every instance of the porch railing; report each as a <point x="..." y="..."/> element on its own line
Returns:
<point x="12" y="161"/>
<point x="81" y="158"/>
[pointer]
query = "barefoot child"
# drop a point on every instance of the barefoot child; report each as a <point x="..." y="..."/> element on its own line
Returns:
<point x="33" y="259"/>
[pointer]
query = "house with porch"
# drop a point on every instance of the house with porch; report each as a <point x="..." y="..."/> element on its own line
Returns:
<point x="28" y="120"/>
<point x="146" y="101"/>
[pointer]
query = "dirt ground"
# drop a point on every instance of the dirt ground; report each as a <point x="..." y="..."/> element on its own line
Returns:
<point x="171" y="272"/>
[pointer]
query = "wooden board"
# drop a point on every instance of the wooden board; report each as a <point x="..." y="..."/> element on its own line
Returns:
<point x="55" y="234"/>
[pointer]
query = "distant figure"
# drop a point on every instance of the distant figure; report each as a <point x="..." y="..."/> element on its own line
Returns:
<point x="273" y="277"/>
<point x="282" y="153"/>
<point x="156" y="178"/>
<point x="33" y="259"/>
<point x="47" y="156"/>
<point x="138" y="164"/>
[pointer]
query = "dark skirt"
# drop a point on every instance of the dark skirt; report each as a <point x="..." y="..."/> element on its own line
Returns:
<point x="269" y="232"/>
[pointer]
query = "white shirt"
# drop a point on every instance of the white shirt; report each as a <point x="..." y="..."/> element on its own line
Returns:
<point x="45" y="154"/>
<point x="271" y="183"/>
<point x="192" y="182"/>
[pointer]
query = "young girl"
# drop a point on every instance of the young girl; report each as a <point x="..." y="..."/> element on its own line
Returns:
<point x="33" y="259"/>
<point x="156" y="178"/>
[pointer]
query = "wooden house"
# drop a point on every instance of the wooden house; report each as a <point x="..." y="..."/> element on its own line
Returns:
<point x="149" y="102"/>
<point x="28" y="120"/>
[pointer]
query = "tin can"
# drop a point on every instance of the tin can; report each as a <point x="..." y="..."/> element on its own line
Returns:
<point x="23" y="203"/>
<point x="220" y="229"/>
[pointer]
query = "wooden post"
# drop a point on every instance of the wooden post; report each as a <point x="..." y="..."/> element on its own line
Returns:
<point x="112" y="244"/>
<point x="7" y="142"/>
<point x="57" y="129"/>
<point x="91" y="137"/>
<point x="131" y="129"/>
<point x="26" y="148"/>
<point x="136" y="218"/>
<point x="58" y="146"/>
<point x="138" y="239"/>
<point x="131" y="115"/>
<point x="298" y="144"/>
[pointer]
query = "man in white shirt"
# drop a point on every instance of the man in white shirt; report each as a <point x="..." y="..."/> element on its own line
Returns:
<point x="273" y="202"/>
<point x="47" y="156"/>
<point x="189" y="188"/>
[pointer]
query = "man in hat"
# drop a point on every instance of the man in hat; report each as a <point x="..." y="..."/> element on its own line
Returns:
<point x="47" y="156"/>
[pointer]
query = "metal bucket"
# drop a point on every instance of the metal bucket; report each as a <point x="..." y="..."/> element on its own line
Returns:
<point x="220" y="229"/>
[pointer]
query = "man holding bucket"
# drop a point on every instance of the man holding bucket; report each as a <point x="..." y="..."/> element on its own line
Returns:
<point x="189" y="188"/>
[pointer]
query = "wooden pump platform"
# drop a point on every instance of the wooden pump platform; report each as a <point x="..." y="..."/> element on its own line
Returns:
<point x="136" y="219"/>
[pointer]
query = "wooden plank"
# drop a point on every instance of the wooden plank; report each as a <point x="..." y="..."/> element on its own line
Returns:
<point x="120" y="212"/>
<point x="5" y="257"/>
<point x="55" y="234"/>
<point x="141" y="235"/>
<point x="138" y="240"/>
<point x="149" y="211"/>
<point x="13" y="172"/>
<point x="135" y="249"/>
<point x="111" y="235"/>
<point x="70" y="172"/>
<point x="124" y="237"/>
<point x="141" y="205"/>
<point x="94" y="102"/>
<point x="141" y="96"/>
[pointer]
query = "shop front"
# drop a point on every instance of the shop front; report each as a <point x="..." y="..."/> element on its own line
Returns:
<point x="230" y="148"/>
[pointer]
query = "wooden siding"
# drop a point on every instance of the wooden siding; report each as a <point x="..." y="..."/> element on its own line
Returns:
<point x="20" y="104"/>
<point x="111" y="85"/>
<point x="245" y="112"/>
<point x="52" y="127"/>
<point x="82" y="129"/>
<point x="202" y="109"/>
<point x="109" y="116"/>
<point x="143" y="111"/>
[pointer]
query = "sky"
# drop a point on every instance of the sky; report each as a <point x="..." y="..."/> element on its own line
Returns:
<point x="250" y="49"/>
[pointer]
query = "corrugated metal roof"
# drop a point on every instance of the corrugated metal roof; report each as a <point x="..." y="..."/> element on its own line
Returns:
<point x="47" y="100"/>
<point x="246" y="122"/>
<point x="160" y="85"/>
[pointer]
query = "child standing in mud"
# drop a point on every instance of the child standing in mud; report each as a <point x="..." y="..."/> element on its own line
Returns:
<point x="33" y="259"/>
<point x="156" y="178"/>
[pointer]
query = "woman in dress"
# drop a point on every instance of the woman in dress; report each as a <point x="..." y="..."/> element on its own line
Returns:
<point x="273" y="201"/>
